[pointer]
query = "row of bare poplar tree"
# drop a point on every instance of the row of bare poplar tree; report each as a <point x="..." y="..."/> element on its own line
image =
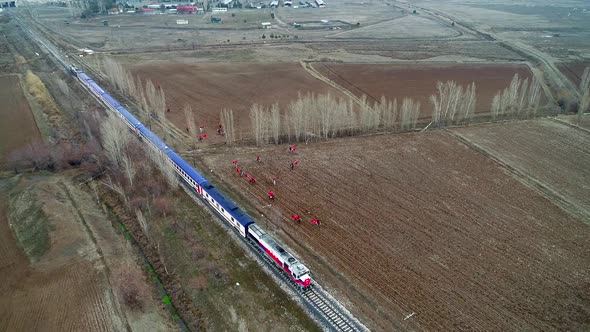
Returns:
<point x="151" y="97"/>
<point x="313" y="116"/>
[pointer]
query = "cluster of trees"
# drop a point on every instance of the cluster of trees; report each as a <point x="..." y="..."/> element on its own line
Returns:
<point x="519" y="100"/>
<point x="324" y="116"/>
<point x="151" y="97"/>
<point x="453" y="104"/>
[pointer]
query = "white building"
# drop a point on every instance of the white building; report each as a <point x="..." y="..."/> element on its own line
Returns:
<point x="266" y="25"/>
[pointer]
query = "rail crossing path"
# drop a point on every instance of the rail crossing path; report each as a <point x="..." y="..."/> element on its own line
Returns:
<point x="331" y="315"/>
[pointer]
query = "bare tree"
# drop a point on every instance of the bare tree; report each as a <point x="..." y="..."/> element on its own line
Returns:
<point x="256" y="117"/>
<point x="410" y="110"/>
<point x="275" y="122"/>
<point x="165" y="167"/>
<point x="519" y="99"/>
<point x="227" y="122"/>
<point x="453" y="104"/>
<point x="388" y="113"/>
<point x="115" y="137"/>
<point x="143" y="223"/>
<point x="585" y="93"/>
<point x="130" y="286"/>
<point x="190" y="122"/>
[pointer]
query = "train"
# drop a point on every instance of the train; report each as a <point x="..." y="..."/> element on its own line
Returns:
<point x="222" y="205"/>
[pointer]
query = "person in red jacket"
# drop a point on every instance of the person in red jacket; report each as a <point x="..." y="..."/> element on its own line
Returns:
<point x="315" y="221"/>
<point x="296" y="218"/>
<point x="252" y="180"/>
<point x="257" y="158"/>
<point x="271" y="194"/>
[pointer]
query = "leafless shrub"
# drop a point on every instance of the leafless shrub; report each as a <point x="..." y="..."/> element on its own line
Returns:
<point x="130" y="286"/>
<point x="163" y="207"/>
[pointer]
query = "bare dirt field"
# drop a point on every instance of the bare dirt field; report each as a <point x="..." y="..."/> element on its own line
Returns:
<point x="419" y="81"/>
<point x="209" y="88"/>
<point x="552" y="153"/>
<point x="54" y="272"/>
<point x="421" y="223"/>
<point x="17" y="124"/>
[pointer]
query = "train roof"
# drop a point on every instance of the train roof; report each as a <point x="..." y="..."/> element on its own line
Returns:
<point x="186" y="167"/>
<point x="126" y="114"/>
<point x="152" y="138"/>
<point x="95" y="86"/>
<point x="228" y="205"/>
<point x="83" y="75"/>
<point x="111" y="100"/>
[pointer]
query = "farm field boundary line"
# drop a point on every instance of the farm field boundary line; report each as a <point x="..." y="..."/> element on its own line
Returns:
<point x="345" y="80"/>
<point x="316" y="74"/>
<point x="442" y="23"/>
<point x="553" y="196"/>
<point x="571" y="125"/>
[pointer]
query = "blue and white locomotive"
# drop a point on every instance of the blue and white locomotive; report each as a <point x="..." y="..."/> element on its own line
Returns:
<point x="232" y="214"/>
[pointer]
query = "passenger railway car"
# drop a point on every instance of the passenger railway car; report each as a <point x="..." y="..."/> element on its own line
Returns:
<point x="224" y="207"/>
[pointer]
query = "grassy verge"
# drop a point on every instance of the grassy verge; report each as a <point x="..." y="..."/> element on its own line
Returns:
<point x="29" y="222"/>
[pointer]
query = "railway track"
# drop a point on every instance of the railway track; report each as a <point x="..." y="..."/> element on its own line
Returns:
<point x="319" y="303"/>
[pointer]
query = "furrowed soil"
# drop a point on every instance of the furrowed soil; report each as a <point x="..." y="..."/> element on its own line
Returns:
<point x="420" y="223"/>
<point x="55" y="273"/>
<point x="209" y="88"/>
<point x="17" y="124"/>
<point x="551" y="153"/>
<point x="418" y="81"/>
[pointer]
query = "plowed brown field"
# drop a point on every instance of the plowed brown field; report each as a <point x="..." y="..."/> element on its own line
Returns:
<point x="422" y="223"/>
<point x="419" y="80"/>
<point x="209" y="88"/>
<point x="17" y="125"/>
<point x="551" y="153"/>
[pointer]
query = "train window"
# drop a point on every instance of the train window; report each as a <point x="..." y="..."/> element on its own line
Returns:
<point x="232" y="218"/>
<point x="222" y="210"/>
